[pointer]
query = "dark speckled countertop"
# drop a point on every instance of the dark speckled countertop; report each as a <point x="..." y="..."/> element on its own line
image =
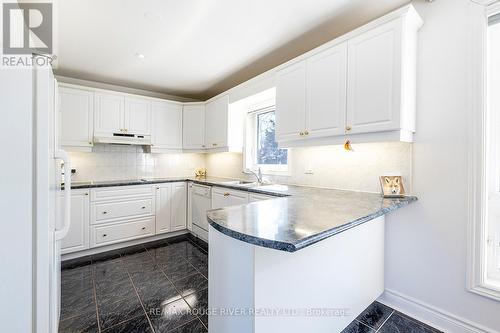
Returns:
<point x="299" y="216"/>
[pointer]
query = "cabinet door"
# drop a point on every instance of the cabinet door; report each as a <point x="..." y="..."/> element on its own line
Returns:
<point x="219" y="198"/>
<point x="291" y="102"/>
<point x="216" y="122"/>
<point x="163" y="208"/>
<point x="77" y="238"/>
<point x="138" y="116"/>
<point x="178" y="203"/>
<point x="326" y="92"/>
<point x="237" y="198"/>
<point x="109" y="113"/>
<point x="374" y="80"/>
<point x="76" y="108"/>
<point x="193" y="126"/>
<point x="167" y="125"/>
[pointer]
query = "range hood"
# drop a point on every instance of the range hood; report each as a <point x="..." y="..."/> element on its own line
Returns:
<point x="123" y="139"/>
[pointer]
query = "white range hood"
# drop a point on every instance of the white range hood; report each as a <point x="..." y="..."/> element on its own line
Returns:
<point x="123" y="139"/>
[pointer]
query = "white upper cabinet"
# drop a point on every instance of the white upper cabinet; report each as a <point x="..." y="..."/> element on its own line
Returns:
<point x="137" y="115"/>
<point x="374" y="82"/>
<point x="216" y="122"/>
<point x="76" y="108"/>
<point x="361" y="85"/>
<point x="167" y="126"/>
<point x="291" y="102"/>
<point x="109" y="113"/>
<point x="326" y="92"/>
<point x="193" y="126"/>
<point x="311" y="96"/>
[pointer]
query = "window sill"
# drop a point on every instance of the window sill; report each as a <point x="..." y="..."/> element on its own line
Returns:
<point x="490" y="290"/>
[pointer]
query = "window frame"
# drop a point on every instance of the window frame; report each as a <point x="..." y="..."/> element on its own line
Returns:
<point x="251" y="142"/>
<point x="480" y="183"/>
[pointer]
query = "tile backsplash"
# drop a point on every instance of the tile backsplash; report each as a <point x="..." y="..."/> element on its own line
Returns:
<point x="110" y="162"/>
<point x="331" y="166"/>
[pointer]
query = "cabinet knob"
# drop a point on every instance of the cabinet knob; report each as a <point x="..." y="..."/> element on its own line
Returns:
<point x="90" y="142"/>
<point x="104" y="235"/>
<point x="104" y="212"/>
<point x="143" y="207"/>
<point x="348" y="128"/>
<point x="226" y="194"/>
<point x="301" y="133"/>
<point x="157" y="187"/>
<point x="306" y="133"/>
<point x="87" y="193"/>
<point x="214" y="144"/>
<point x="143" y="228"/>
<point x="203" y="146"/>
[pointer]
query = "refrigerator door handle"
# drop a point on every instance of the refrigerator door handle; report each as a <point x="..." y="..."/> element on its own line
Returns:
<point x="62" y="155"/>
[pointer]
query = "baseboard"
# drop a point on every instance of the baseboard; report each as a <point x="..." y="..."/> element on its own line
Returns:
<point x="431" y="315"/>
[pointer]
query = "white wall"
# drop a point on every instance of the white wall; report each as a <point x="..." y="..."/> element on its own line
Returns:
<point x="16" y="183"/>
<point x="332" y="167"/>
<point x="108" y="162"/>
<point x="427" y="241"/>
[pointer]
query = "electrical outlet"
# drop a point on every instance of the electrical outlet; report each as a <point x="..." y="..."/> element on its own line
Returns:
<point x="308" y="171"/>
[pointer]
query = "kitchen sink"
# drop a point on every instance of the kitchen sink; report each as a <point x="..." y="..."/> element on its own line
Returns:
<point x="239" y="182"/>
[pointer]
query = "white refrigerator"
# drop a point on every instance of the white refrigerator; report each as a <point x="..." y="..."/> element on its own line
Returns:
<point x="53" y="207"/>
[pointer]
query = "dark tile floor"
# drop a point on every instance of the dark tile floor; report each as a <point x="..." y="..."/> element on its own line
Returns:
<point x="164" y="288"/>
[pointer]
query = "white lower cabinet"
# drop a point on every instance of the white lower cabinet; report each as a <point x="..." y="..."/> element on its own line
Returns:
<point x="171" y="207"/>
<point x="77" y="238"/>
<point x="112" y="233"/>
<point x="222" y="197"/>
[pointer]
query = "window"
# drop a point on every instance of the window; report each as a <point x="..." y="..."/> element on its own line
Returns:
<point x="493" y="149"/>
<point x="261" y="148"/>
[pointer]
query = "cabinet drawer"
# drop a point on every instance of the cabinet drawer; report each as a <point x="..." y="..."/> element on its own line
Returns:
<point x="121" y="192"/>
<point x="124" y="231"/>
<point x="103" y="212"/>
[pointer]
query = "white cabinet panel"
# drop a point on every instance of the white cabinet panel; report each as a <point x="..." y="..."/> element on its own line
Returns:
<point x="109" y="113"/>
<point x="76" y="107"/>
<point x="194" y="126"/>
<point x="222" y="197"/>
<point x="163" y="208"/>
<point x="326" y="92"/>
<point x="77" y="238"/>
<point x="167" y="125"/>
<point x="103" y="212"/>
<point x="178" y="203"/>
<point x="122" y="231"/>
<point x="216" y="122"/>
<point x="374" y="80"/>
<point x="137" y="116"/>
<point x="291" y="102"/>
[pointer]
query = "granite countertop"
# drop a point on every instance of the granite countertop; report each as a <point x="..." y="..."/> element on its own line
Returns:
<point x="299" y="216"/>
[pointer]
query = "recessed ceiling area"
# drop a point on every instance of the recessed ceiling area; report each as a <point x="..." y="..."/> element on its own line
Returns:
<point x="196" y="48"/>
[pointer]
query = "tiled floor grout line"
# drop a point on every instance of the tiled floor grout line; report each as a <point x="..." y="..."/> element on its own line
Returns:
<point x="385" y="321"/>
<point x="137" y="294"/>
<point x="94" y="289"/>
<point x="182" y="297"/>
<point x="371" y="328"/>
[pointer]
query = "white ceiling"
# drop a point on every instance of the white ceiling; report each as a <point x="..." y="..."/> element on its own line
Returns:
<point x="196" y="48"/>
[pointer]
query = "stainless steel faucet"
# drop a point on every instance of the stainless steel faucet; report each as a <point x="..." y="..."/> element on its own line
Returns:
<point x="257" y="175"/>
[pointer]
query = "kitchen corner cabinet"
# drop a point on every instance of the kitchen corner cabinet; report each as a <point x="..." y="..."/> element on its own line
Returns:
<point x="115" y="113"/>
<point x="76" y="110"/>
<point x="363" y="85"/>
<point x="193" y="126"/>
<point x="216" y="123"/>
<point x="166" y="131"/>
<point x="171" y="207"/>
<point x="77" y="238"/>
